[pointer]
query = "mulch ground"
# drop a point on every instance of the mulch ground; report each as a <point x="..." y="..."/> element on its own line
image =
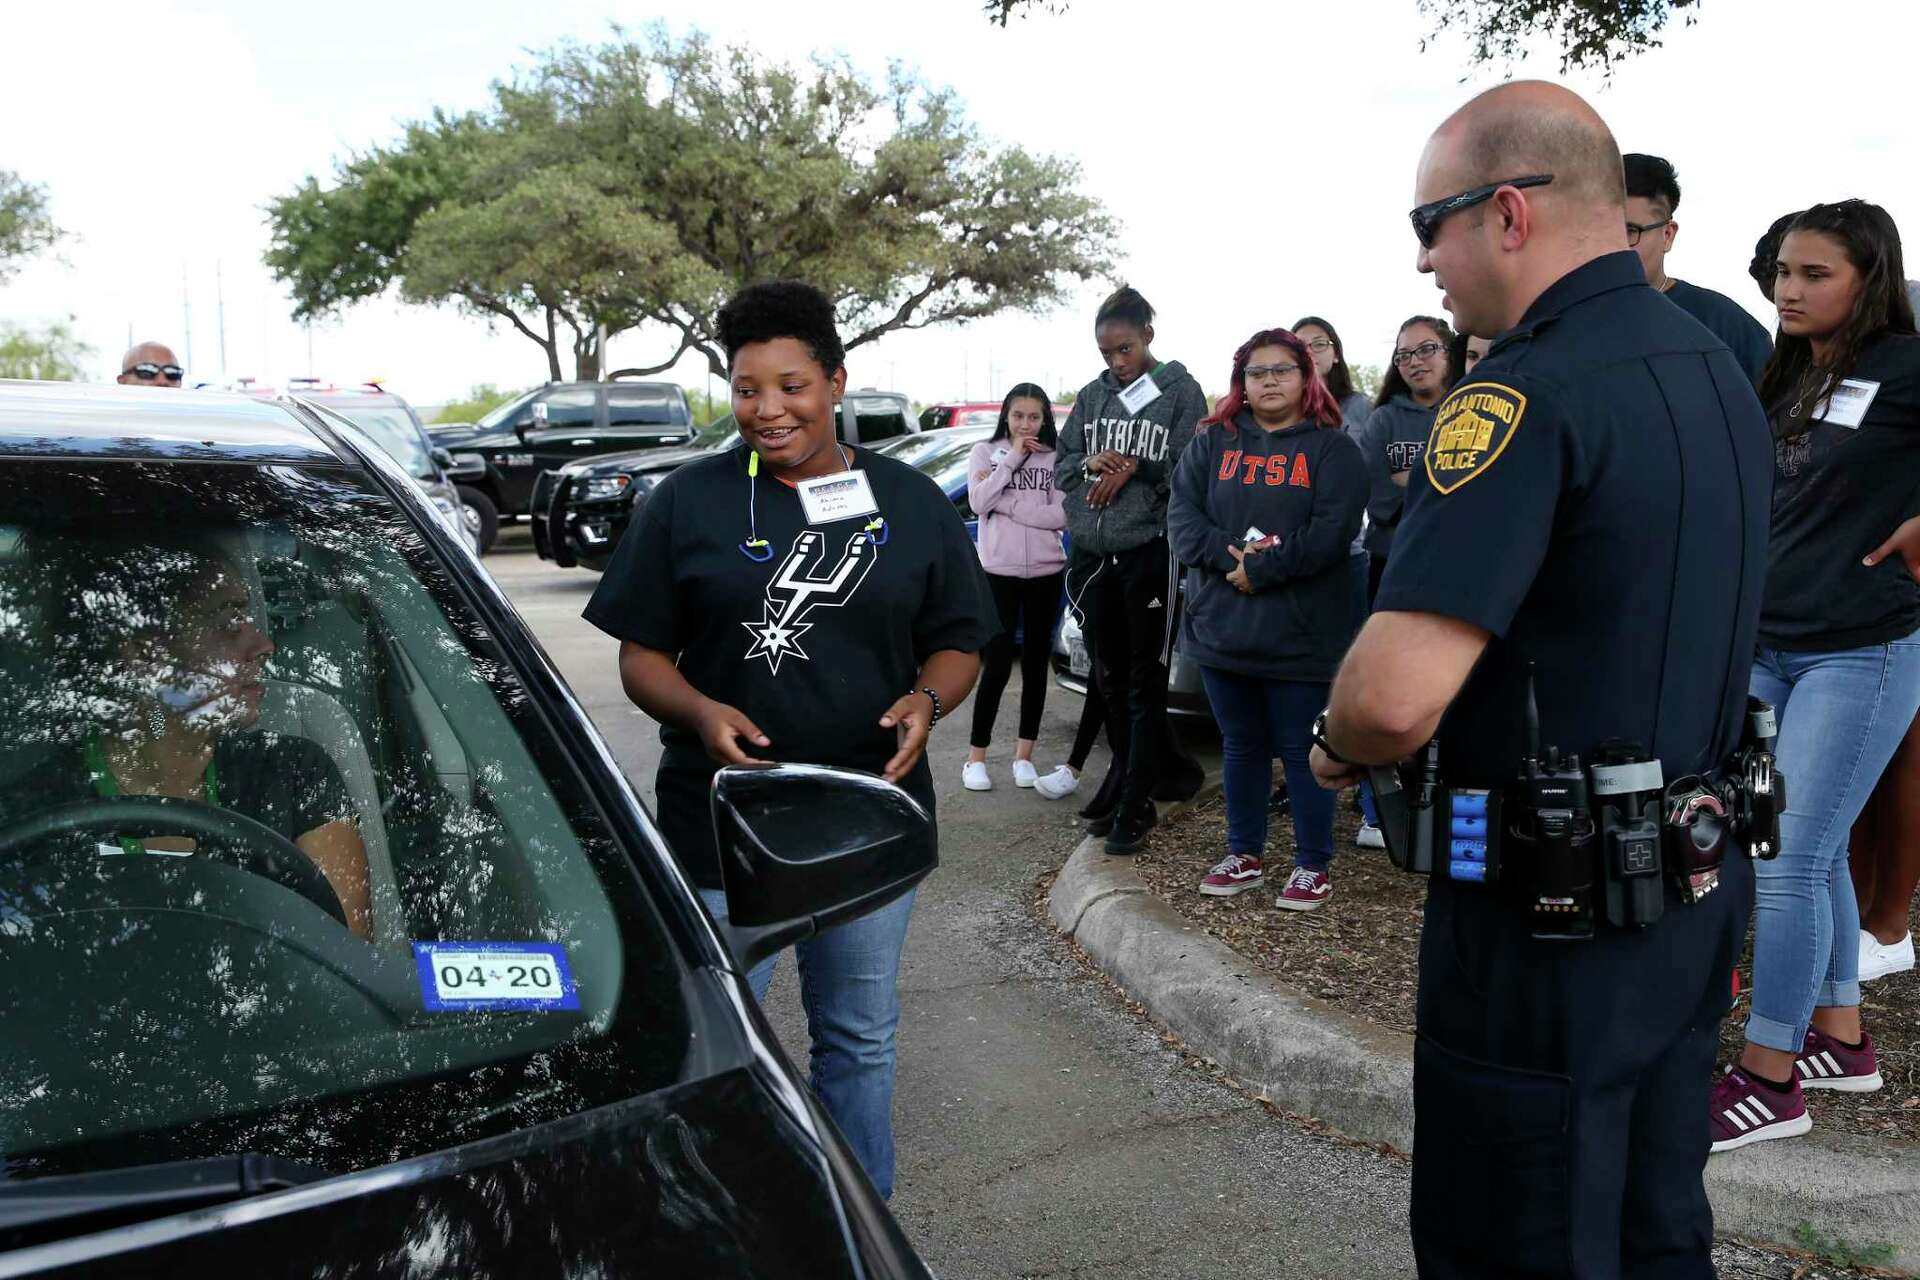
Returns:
<point x="1359" y="951"/>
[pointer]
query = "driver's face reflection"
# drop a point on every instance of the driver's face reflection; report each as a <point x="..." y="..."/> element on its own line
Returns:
<point x="206" y="670"/>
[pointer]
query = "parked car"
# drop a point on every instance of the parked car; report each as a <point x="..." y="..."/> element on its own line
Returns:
<point x="975" y="413"/>
<point x="498" y="462"/>
<point x="541" y="1055"/>
<point x="580" y="510"/>
<point x="393" y="425"/>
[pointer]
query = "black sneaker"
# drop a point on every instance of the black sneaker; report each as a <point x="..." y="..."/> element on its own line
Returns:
<point x="1129" y="834"/>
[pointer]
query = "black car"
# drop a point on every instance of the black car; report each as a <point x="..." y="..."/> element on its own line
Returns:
<point x="580" y="510"/>
<point x="511" y="1042"/>
<point x="497" y="461"/>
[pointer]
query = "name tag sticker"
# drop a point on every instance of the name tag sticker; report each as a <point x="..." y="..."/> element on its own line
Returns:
<point x="1142" y="393"/>
<point x="494" y="975"/>
<point x="999" y="455"/>
<point x="842" y="496"/>
<point x="1847" y="406"/>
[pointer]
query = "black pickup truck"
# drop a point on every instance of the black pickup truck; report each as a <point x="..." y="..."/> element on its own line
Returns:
<point x="498" y="459"/>
<point x="581" y="509"/>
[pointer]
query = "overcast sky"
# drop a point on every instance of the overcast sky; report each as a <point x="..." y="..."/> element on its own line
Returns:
<point x="1260" y="158"/>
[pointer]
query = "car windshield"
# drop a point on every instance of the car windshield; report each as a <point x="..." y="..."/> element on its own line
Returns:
<point x="915" y="450"/>
<point x="291" y="860"/>
<point x="716" y="433"/>
<point x="503" y="414"/>
<point x="945" y="459"/>
<point x="393" y="429"/>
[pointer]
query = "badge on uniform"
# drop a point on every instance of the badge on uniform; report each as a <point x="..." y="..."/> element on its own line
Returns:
<point x="1470" y="430"/>
<point x="841" y="496"/>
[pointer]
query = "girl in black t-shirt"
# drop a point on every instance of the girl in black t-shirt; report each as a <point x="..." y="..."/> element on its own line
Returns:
<point x="765" y="618"/>
<point x="1839" y="648"/>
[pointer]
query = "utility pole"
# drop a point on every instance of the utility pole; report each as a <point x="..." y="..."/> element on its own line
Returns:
<point x="220" y="305"/>
<point x="186" y="316"/>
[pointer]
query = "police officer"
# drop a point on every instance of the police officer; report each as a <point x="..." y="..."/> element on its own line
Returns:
<point x="1593" y="511"/>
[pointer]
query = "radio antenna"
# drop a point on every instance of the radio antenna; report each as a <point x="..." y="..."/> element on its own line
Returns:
<point x="1533" y="717"/>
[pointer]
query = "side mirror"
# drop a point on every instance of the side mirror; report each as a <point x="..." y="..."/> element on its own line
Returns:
<point x="805" y="847"/>
<point x="442" y="458"/>
<point x="465" y="466"/>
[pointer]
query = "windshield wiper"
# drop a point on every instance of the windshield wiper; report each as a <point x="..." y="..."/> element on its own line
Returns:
<point x="149" y="1189"/>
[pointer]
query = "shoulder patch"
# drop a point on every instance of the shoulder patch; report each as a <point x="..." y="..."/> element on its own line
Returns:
<point x="1470" y="431"/>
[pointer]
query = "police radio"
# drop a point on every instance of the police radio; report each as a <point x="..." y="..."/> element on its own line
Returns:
<point x="1558" y="824"/>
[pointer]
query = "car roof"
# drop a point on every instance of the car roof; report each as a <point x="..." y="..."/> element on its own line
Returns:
<point x="42" y="419"/>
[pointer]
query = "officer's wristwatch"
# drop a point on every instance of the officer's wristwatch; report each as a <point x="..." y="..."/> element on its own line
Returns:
<point x="1320" y="740"/>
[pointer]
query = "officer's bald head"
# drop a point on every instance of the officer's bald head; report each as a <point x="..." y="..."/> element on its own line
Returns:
<point x="1532" y="127"/>
<point x="1504" y="251"/>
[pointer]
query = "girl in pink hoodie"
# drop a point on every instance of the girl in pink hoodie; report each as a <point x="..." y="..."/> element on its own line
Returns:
<point x="1010" y="487"/>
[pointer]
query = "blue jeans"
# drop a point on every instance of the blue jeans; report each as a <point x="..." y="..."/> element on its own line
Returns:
<point x="1260" y="719"/>
<point x="849" y="986"/>
<point x="1842" y="715"/>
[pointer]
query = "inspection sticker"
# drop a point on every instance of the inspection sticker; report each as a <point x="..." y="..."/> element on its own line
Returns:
<point x="494" y="975"/>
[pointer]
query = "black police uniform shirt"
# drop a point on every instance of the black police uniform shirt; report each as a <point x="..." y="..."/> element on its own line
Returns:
<point x="1840" y="491"/>
<point x="814" y="644"/>
<point x="1303" y="485"/>
<point x="1595" y="495"/>
<point x="1728" y="321"/>
<point x="288" y="784"/>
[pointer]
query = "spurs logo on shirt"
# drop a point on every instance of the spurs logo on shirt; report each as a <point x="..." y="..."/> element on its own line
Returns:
<point x="801" y="585"/>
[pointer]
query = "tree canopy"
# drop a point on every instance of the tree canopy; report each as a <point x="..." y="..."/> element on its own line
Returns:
<point x="54" y="354"/>
<point x="642" y="181"/>
<point x="26" y="228"/>
<point x="1593" y="35"/>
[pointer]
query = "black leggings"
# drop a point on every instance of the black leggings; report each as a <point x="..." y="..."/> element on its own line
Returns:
<point x="1093" y="718"/>
<point x="1034" y="605"/>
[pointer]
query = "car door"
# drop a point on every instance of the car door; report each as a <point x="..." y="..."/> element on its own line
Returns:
<point x="567" y="425"/>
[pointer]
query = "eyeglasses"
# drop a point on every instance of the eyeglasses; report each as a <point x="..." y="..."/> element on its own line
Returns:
<point x="1635" y="230"/>
<point x="149" y="372"/>
<point x="1278" y="372"/>
<point x="1320" y="344"/>
<point x="1425" y="351"/>
<point x="1428" y="217"/>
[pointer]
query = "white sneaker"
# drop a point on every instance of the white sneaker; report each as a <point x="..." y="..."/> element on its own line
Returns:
<point x="1024" y="774"/>
<point x="975" y="776"/>
<point x="1370" y="837"/>
<point x="1057" y="785"/>
<point x="1878" y="959"/>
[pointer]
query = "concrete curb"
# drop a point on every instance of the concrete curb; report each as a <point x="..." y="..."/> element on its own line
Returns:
<point x="1311" y="1058"/>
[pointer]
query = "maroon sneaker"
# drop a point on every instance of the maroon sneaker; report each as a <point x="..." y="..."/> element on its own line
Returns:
<point x="1235" y="873"/>
<point x="1825" y="1063"/>
<point x="1741" y="1112"/>
<point x="1305" y="891"/>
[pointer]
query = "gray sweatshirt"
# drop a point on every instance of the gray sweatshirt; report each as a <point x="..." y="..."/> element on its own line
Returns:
<point x="1392" y="440"/>
<point x="1157" y="435"/>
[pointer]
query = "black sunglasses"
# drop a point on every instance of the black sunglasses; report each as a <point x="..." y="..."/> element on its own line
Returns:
<point x="149" y="371"/>
<point x="1428" y="217"/>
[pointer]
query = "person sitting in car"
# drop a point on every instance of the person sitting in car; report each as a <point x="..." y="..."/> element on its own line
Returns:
<point x="162" y="663"/>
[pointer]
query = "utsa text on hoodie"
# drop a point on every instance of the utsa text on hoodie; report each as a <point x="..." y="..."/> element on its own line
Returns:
<point x="1157" y="435"/>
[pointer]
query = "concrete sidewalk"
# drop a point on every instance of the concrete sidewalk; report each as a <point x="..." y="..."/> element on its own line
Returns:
<point x="1310" y="1058"/>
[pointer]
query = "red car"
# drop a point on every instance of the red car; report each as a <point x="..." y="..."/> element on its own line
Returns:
<point x="976" y="413"/>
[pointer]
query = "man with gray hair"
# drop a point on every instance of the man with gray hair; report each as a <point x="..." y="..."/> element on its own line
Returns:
<point x="149" y="364"/>
<point x="1567" y="632"/>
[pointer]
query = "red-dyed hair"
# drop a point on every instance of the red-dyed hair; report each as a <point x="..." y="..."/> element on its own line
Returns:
<point x="1316" y="402"/>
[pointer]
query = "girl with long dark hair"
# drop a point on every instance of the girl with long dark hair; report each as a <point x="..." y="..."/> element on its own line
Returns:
<point x="1395" y="435"/>
<point x="1839" y="653"/>
<point x="1264" y="508"/>
<point x="1010" y="487"/>
<point x="1330" y="358"/>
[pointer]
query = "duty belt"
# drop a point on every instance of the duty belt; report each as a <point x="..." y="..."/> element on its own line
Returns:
<point x="1580" y="843"/>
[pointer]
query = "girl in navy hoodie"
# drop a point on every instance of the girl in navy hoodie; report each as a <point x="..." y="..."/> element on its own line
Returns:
<point x="1264" y="508"/>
